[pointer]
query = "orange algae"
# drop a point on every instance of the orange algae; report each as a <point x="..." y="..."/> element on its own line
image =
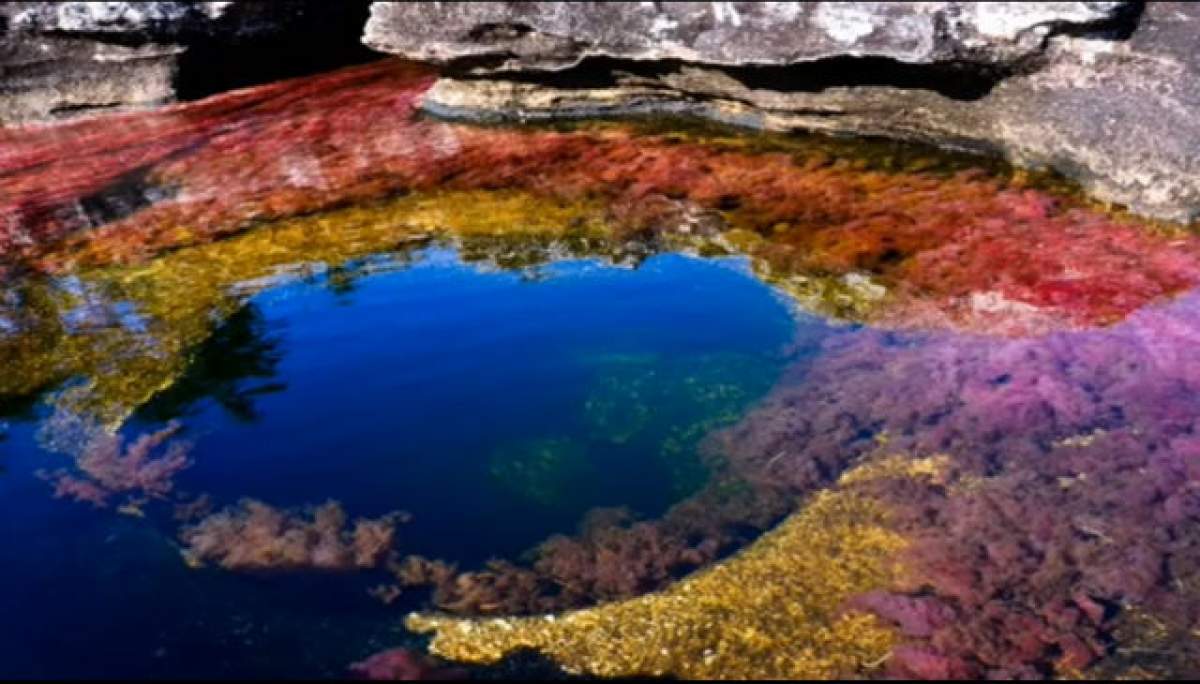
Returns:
<point x="774" y="610"/>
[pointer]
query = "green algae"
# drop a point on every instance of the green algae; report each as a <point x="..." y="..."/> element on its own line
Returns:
<point x="544" y="471"/>
<point x="670" y="404"/>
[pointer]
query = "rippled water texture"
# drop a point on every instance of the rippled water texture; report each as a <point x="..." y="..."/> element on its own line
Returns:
<point x="285" y="365"/>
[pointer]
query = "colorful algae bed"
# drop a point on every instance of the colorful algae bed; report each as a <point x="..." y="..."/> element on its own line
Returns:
<point x="299" y="381"/>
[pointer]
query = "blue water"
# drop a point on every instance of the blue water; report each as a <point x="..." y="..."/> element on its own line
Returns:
<point x="433" y="388"/>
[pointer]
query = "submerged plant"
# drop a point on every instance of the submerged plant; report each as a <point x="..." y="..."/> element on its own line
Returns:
<point x="257" y="536"/>
<point x="775" y="610"/>
<point x="105" y="467"/>
<point x="668" y="405"/>
<point x="1070" y="496"/>
<point x="613" y="556"/>
<point x="546" y="472"/>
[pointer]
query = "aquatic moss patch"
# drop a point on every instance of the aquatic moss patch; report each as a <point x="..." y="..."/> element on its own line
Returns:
<point x="542" y="471"/>
<point x="775" y="610"/>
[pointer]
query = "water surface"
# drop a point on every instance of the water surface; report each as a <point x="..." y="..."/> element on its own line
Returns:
<point x="497" y="407"/>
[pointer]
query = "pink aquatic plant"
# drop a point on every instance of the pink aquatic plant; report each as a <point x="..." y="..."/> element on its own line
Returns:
<point x="1072" y="489"/>
<point x="613" y="556"/>
<point x="67" y="486"/>
<point x="257" y="536"/>
<point x="405" y="665"/>
<point x="104" y="467"/>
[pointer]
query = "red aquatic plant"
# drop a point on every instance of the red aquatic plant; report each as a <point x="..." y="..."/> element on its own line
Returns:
<point x="48" y="171"/>
<point x="613" y="556"/>
<point x="257" y="536"/>
<point x="105" y="467"/>
<point x="965" y="251"/>
<point x="1027" y="571"/>
<point x="67" y="486"/>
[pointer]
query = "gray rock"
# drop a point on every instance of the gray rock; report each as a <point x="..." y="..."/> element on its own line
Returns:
<point x="1045" y="84"/>
<point x="555" y="35"/>
<point x="60" y="59"/>
<point x="157" y="19"/>
<point x="48" y="77"/>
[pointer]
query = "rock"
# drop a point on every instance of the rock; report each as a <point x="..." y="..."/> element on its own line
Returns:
<point x="1104" y="93"/>
<point x="45" y="77"/>
<point x="147" y="19"/>
<point x="553" y="35"/>
<point x="60" y="59"/>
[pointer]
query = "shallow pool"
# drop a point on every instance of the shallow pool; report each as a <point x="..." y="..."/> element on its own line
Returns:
<point x="494" y="407"/>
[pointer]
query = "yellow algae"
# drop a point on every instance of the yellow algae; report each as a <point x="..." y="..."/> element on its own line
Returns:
<point x="1148" y="648"/>
<point x="880" y="467"/>
<point x="175" y="301"/>
<point x="847" y="297"/>
<point x="775" y="610"/>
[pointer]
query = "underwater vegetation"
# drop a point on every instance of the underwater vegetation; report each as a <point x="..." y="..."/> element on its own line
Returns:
<point x="1070" y="495"/>
<point x="405" y="665"/>
<point x="922" y="246"/>
<point x="1043" y="348"/>
<point x="544" y="471"/>
<point x="1061" y="513"/>
<point x="256" y="536"/>
<point x="614" y="555"/>
<point x="671" y="404"/>
<point x="774" y="610"/>
<point x="105" y="467"/>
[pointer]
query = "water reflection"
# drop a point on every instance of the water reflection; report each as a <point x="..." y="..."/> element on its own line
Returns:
<point x="241" y="350"/>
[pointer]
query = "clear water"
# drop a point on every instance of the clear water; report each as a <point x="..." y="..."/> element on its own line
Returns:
<point x="496" y="407"/>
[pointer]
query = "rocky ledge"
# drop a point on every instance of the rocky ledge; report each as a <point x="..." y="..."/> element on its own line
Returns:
<point x="1105" y="92"/>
